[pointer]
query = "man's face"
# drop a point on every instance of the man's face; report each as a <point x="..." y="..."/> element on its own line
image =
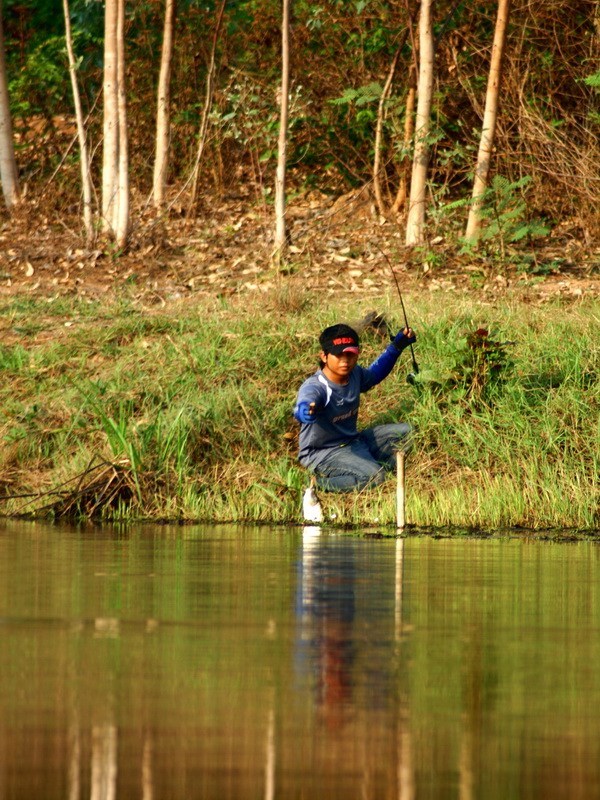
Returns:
<point x="338" y="368"/>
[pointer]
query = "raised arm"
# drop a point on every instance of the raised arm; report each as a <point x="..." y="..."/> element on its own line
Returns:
<point x="383" y="365"/>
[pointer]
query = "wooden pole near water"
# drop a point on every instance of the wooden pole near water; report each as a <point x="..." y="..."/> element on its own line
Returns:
<point x="400" y="497"/>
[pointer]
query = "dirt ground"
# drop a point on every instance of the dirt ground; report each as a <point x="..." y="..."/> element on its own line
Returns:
<point x="336" y="247"/>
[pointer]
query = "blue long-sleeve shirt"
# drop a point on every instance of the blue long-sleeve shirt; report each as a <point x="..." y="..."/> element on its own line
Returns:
<point x="336" y="406"/>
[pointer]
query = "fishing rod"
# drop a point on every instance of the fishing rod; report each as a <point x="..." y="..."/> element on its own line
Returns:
<point x="411" y="377"/>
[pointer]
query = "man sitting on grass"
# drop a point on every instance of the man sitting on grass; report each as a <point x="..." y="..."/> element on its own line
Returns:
<point x="341" y="457"/>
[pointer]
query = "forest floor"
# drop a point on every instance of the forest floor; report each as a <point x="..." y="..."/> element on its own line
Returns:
<point x="337" y="247"/>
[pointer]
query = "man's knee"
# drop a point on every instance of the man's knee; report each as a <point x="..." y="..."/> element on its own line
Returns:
<point x="376" y="478"/>
<point x="339" y="480"/>
<point x="405" y="439"/>
<point x="400" y="438"/>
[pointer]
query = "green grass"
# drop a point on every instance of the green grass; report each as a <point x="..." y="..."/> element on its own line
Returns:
<point x="188" y="411"/>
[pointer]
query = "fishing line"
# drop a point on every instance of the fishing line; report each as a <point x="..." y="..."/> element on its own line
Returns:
<point x="411" y="377"/>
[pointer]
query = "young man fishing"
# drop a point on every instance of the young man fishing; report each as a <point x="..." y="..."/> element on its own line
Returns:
<point x="341" y="457"/>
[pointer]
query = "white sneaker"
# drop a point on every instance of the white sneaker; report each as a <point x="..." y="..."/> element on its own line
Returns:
<point x="311" y="508"/>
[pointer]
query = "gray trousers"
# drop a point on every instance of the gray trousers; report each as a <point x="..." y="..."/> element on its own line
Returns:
<point x="364" y="461"/>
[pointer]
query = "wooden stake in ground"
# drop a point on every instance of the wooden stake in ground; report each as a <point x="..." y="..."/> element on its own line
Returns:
<point x="400" y="496"/>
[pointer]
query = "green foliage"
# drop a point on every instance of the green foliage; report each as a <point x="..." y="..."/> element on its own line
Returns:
<point x="593" y="80"/>
<point x="481" y="367"/>
<point x="504" y="213"/>
<point x="504" y="207"/>
<point x="355" y="113"/>
<point x="249" y="116"/>
<point x="39" y="81"/>
<point x="40" y="86"/>
<point x="362" y="96"/>
<point x="35" y="17"/>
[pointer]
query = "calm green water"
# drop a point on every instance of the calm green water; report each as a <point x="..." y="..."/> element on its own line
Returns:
<point x="167" y="663"/>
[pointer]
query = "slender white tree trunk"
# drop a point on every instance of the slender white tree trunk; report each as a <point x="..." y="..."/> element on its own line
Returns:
<point x="210" y="82"/>
<point x="122" y="216"/>
<point x="163" y="108"/>
<point x="409" y="126"/>
<point x="111" y="118"/>
<point x="9" y="176"/>
<point x="386" y="92"/>
<point x="280" y="222"/>
<point x="415" y="223"/>
<point x="490" y="116"/>
<point x="86" y="180"/>
<point x="387" y="88"/>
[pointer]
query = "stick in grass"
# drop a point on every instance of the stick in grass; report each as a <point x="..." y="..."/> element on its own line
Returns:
<point x="400" y="501"/>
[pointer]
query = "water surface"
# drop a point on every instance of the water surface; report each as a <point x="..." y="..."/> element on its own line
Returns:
<point x="233" y="662"/>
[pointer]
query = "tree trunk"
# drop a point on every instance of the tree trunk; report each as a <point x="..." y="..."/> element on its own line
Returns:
<point x="86" y="179"/>
<point x="9" y="176"/>
<point x="490" y="116"/>
<point x="280" y="222"/>
<point x="111" y="118"/>
<point x="163" y="108"/>
<point x="415" y="223"/>
<point x="122" y="217"/>
<point x="210" y="80"/>
<point x="385" y="93"/>
<point x="409" y="129"/>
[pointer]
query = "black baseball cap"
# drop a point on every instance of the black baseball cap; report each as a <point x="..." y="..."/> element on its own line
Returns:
<point x="339" y="339"/>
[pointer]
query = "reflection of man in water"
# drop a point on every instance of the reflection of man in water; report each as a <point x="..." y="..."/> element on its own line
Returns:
<point x="325" y="608"/>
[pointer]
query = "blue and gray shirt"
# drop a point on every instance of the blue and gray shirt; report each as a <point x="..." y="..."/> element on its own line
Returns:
<point x="336" y="406"/>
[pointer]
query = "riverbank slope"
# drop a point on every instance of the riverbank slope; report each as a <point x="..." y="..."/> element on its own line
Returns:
<point x="181" y="411"/>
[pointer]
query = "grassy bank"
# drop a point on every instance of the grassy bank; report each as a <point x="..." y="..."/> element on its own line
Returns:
<point x="184" y="413"/>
